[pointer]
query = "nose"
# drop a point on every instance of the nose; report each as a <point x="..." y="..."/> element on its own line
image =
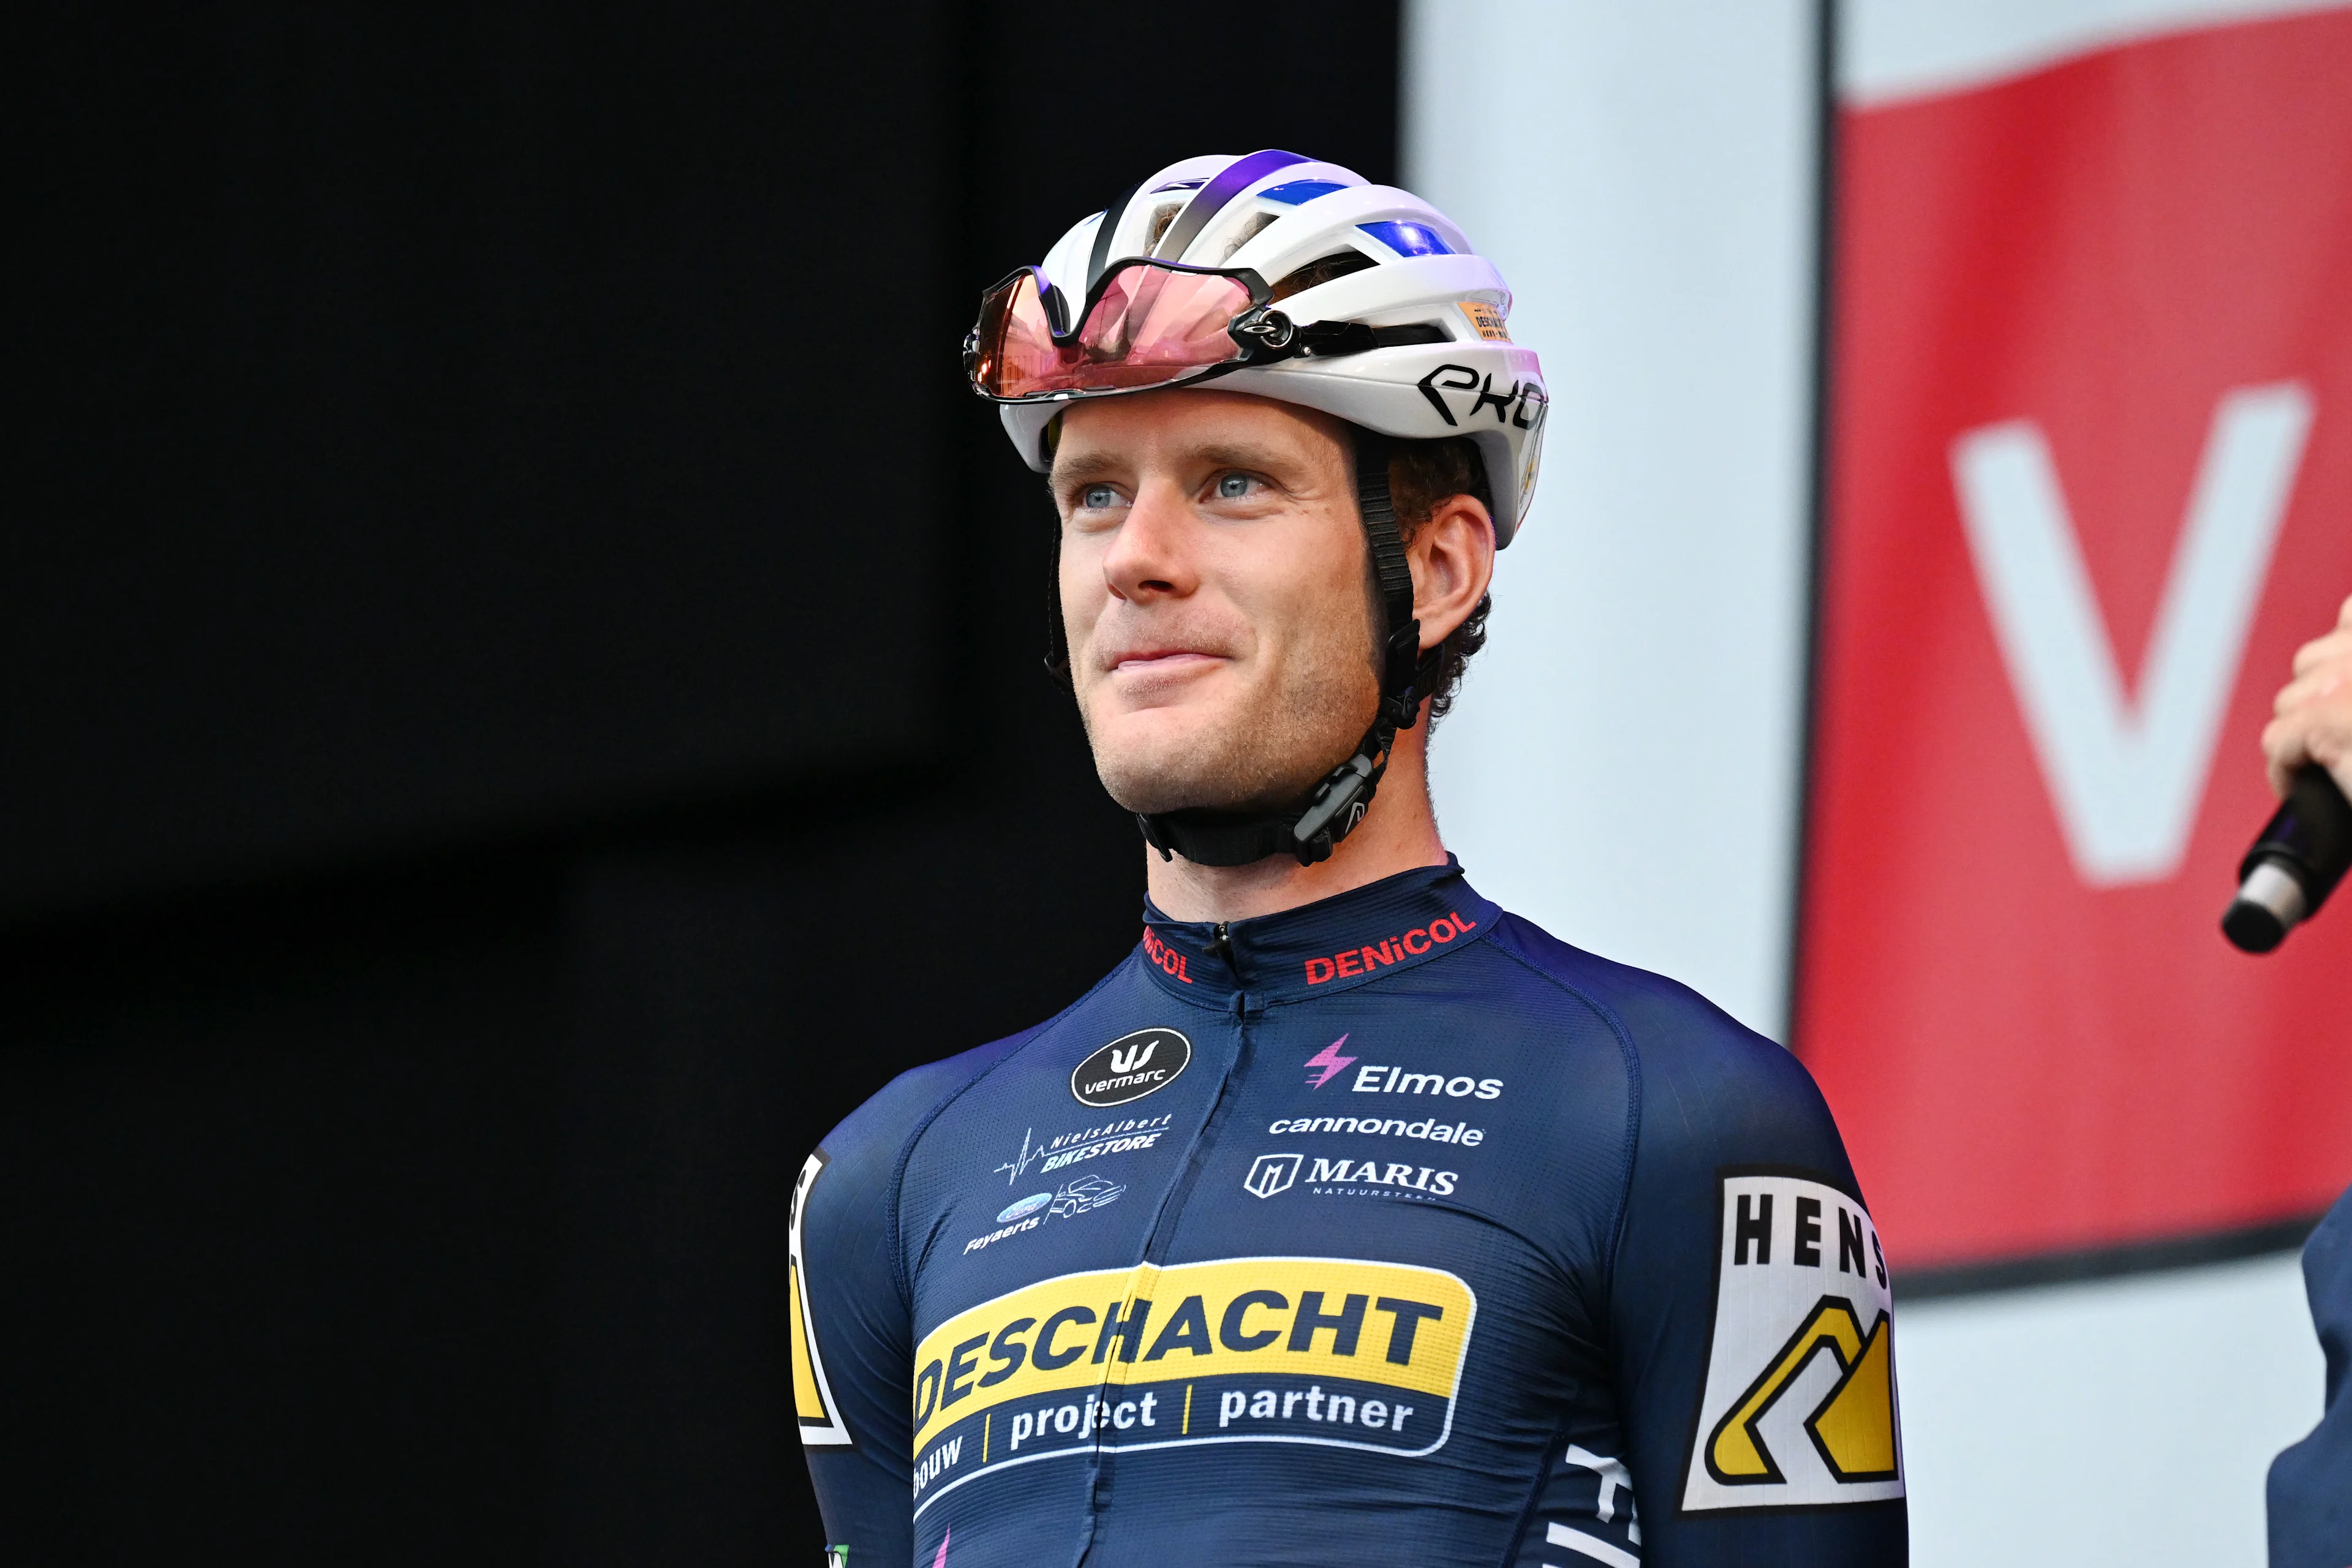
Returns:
<point x="1151" y="558"/>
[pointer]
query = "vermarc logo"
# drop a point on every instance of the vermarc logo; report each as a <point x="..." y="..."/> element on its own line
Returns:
<point x="1131" y="1067"/>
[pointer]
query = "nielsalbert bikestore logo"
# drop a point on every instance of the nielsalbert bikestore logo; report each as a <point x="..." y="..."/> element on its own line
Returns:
<point x="1129" y="1067"/>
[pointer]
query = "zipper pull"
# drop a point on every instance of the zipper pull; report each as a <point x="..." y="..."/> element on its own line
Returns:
<point x="1221" y="941"/>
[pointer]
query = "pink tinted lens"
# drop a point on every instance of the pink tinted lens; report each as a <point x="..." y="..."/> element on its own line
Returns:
<point x="1017" y="340"/>
<point x="1150" y="327"/>
<point x="1150" y="323"/>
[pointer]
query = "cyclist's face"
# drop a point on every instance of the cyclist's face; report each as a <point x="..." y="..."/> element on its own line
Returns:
<point x="1214" y="592"/>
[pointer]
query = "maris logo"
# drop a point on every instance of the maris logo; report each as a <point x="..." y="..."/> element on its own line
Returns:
<point x="1523" y="405"/>
<point x="1131" y="1067"/>
<point x="1272" y="1173"/>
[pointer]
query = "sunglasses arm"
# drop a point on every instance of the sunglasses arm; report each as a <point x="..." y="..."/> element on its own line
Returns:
<point x="1268" y="336"/>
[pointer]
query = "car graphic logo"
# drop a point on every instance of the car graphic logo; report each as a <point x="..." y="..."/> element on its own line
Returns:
<point x="1272" y="1173"/>
<point x="1087" y="1193"/>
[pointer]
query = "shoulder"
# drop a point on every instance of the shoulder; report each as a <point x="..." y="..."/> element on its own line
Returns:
<point x="1707" y="1085"/>
<point x="873" y="1138"/>
<point x="876" y="1131"/>
<point x="846" y="1210"/>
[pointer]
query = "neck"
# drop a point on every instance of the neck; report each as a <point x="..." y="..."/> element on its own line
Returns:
<point x="1399" y="833"/>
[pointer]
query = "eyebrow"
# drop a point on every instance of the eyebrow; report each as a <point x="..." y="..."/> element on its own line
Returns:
<point x="1100" y="464"/>
<point x="1085" y="465"/>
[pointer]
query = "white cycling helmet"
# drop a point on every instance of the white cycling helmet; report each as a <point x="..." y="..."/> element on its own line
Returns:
<point x="1280" y="276"/>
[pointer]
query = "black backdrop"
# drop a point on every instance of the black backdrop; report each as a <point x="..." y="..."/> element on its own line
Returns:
<point x="522" y="708"/>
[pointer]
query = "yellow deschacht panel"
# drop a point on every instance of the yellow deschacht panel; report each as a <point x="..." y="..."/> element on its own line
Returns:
<point x="1408" y="1328"/>
<point x="1855" y="1425"/>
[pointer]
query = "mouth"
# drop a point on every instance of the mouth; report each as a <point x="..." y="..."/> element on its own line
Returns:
<point x="1155" y="663"/>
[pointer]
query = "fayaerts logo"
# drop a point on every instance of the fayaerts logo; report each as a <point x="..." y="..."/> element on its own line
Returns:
<point x="1131" y="1067"/>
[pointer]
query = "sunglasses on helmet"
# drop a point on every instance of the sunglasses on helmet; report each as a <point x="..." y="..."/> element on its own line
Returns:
<point x="1145" y="324"/>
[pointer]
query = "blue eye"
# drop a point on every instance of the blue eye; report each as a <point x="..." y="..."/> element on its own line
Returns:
<point x="1098" y="498"/>
<point x="1235" y="487"/>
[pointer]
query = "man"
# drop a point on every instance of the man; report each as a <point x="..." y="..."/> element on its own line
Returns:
<point x="1350" y="1219"/>
<point x="2311" y="1483"/>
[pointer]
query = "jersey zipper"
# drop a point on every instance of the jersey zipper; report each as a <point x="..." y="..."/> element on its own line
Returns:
<point x="1102" y="1466"/>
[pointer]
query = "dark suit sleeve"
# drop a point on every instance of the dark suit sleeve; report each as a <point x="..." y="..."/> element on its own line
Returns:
<point x="2311" y="1483"/>
<point x="1751" y="1312"/>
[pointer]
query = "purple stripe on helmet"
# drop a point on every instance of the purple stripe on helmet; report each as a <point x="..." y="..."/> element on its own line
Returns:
<point x="1238" y="177"/>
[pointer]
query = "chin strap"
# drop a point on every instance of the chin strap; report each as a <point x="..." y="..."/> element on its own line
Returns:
<point x="1310" y="827"/>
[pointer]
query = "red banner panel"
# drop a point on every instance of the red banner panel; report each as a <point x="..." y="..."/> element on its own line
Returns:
<point x="2090" y="485"/>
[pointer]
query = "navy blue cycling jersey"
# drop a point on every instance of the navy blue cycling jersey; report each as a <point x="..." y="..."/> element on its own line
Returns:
<point x="1386" y="1229"/>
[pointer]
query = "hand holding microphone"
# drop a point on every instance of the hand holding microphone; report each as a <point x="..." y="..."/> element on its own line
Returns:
<point x="2306" y="846"/>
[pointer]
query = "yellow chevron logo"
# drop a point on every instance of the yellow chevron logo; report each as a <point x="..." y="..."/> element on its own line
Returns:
<point x="820" y="1418"/>
<point x="808" y="1402"/>
<point x="1852" y="1428"/>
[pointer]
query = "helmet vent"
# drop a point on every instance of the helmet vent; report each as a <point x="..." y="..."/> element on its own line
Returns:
<point x="1322" y="269"/>
<point x="1249" y="231"/>
<point x="1160" y="218"/>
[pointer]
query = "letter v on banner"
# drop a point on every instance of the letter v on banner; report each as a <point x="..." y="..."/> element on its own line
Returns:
<point x="2046" y="650"/>
<point x="2126" y="770"/>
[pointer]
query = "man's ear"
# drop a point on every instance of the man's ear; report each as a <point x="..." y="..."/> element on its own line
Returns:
<point x="1452" y="560"/>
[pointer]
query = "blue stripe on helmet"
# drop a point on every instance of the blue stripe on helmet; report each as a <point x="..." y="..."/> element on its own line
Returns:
<point x="1407" y="238"/>
<point x="1298" y="191"/>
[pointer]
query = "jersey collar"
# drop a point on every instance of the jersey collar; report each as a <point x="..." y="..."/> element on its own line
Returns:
<point x="1331" y="945"/>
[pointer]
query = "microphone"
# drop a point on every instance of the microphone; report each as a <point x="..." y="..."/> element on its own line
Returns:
<point x="2296" y="862"/>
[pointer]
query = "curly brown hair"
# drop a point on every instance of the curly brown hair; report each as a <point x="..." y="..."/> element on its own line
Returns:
<point x="1421" y="475"/>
